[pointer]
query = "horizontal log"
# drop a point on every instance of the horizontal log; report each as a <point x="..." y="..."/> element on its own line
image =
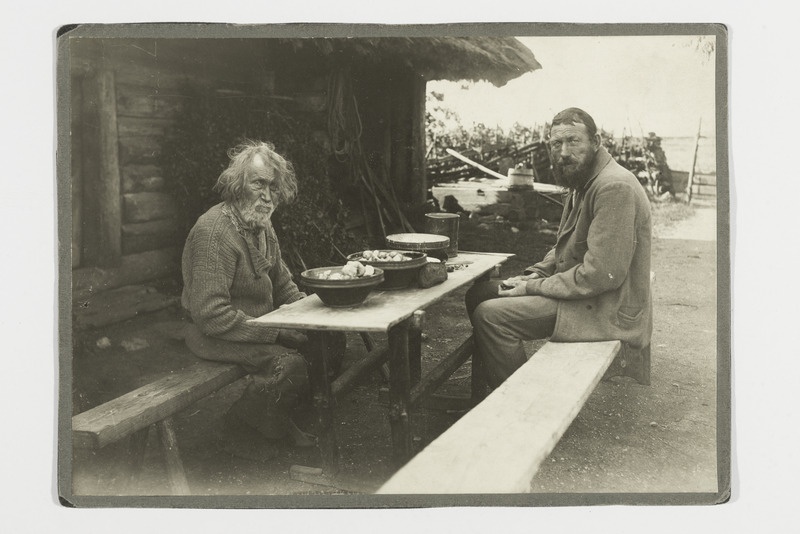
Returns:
<point x="151" y="235"/>
<point x="140" y="178"/>
<point x="133" y="269"/>
<point x="176" y="57"/>
<point x="141" y="78"/>
<point x="154" y="105"/>
<point x="142" y="207"/>
<point x="143" y="126"/>
<point x="161" y="226"/>
<point x="135" y="244"/>
<point x="139" y="150"/>
<point x="348" y="379"/>
<point x="442" y="371"/>
<point x="314" y="102"/>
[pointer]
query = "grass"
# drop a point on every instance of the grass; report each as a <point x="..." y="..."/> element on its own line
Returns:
<point x="666" y="214"/>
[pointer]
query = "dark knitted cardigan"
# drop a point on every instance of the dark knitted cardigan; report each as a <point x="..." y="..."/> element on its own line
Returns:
<point x="227" y="279"/>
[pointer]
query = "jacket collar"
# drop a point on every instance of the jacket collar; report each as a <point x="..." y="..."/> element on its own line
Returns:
<point x="575" y="198"/>
<point x="601" y="159"/>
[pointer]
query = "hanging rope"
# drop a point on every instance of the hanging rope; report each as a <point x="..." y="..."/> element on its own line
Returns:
<point x="345" y="129"/>
<point x="344" y="121"/>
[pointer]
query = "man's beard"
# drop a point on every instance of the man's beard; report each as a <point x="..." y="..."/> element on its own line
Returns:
<point x="572" y="174"/>
<point x="252" y="217"/>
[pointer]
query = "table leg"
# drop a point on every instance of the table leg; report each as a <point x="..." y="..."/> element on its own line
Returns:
<point x="399" y="392"/>
<point x="478" y="385"/>
<point x="323" y="400"/>
<point x="415" y="346"/>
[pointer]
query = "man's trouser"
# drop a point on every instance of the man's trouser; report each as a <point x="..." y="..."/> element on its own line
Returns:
<point x="277" y="380"/>
<point x="500" y="324"/>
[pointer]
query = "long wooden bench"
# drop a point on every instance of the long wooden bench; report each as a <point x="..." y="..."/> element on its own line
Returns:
<point x="498" y="446"/>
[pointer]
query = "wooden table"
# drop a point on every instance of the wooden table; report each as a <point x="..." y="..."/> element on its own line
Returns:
<point x="391" y="312"/>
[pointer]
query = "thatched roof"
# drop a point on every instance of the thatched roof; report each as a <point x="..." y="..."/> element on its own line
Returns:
<point x="494" y="59"/>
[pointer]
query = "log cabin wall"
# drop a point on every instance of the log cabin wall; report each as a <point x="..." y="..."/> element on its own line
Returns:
<point x="148" y="212"/>
<point x="126" y="93"/>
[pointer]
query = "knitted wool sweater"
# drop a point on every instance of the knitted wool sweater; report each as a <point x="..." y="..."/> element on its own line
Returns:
<point x="230" y="277"/>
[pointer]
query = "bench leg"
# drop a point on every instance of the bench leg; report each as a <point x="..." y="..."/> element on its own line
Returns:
<point x="399" y="392"/>
<point x="137" y="445"/>
<point x="633" y="363"/>
<point x="172" y="458"/>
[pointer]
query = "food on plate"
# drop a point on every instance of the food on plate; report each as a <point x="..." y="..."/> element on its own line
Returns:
<point x="384" y="255"/>
<point x="352" y="270"/>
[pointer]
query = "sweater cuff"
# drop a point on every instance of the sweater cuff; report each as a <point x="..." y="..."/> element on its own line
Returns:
<point x="271" y="335"/>
<point x="295" y="297"/>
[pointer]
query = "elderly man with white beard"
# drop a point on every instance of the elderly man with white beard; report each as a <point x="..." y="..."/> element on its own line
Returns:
<point x="232" y="272"/>
<point x="594" y="284"/>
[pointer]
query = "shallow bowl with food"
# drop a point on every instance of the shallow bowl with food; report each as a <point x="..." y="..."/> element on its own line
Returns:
<point x="400" y="267"/>
<point x="340" y="293"/>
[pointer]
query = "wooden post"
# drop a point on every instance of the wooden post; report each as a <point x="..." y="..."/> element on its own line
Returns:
<point x="399" y="393"/>
<point x="419" y="185"/>
<point x="76" y="170"/>
<point x="415" y="346"/>
<point x="103" y="216"/>
<point x="690" y="181"/>
<point x="401" y="114"/>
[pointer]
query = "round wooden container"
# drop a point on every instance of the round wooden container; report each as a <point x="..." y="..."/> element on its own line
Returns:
<point x="433" y="245"/>
<point x="445" y="224"/>
<point x="520" y="178"/>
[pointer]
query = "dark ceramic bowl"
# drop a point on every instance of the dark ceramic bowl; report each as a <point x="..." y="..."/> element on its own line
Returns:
<point x="340" y="293"/>
<point x="397" y="274"/>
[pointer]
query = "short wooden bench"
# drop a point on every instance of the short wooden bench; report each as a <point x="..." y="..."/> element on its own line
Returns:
<point x="133" y="415"/>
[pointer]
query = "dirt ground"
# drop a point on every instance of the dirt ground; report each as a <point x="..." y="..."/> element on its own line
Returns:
<point x="627" y="438"/>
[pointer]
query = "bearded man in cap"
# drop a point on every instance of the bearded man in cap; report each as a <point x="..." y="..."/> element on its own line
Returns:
<point x="594" y="284"/>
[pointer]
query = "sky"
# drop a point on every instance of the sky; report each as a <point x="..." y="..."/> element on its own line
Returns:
<point x="662" y="84"/>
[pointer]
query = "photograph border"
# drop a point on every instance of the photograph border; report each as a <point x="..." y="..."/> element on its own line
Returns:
<point x="222" y="31"/>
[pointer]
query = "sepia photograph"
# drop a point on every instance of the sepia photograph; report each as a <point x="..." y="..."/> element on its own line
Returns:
<point x="370" y="266"/>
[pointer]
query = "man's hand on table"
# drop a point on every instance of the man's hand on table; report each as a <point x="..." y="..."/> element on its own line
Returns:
<point x="515" y="286"/>
<point x="293" y="339"/>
